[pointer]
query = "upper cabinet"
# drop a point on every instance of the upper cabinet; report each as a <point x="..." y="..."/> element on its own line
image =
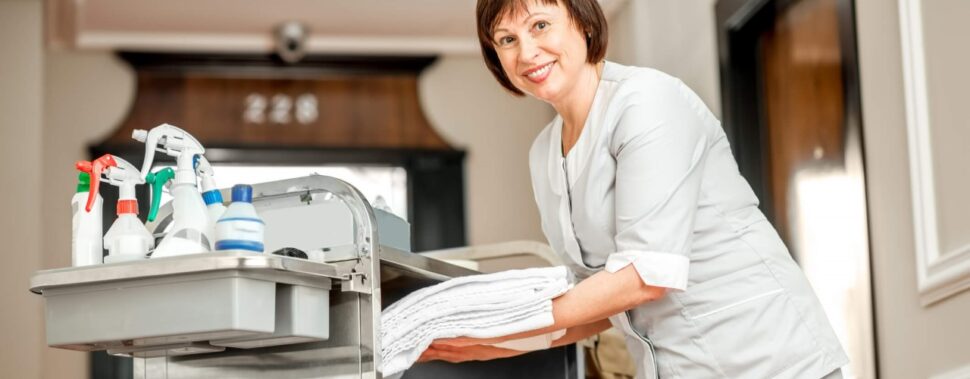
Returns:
<point x="397" y="27"/>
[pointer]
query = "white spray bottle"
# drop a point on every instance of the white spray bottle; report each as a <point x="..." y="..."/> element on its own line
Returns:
<point x="211" y="195"/>
<point x="127" y="239"/>
<point x="86" y="238"/>
<point x="190" y="224"/>
<point x="86" y="247"/>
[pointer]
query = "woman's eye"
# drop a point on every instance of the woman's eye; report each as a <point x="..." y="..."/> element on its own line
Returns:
<point x="506" y="40"/>
<point x="542" y="25"/>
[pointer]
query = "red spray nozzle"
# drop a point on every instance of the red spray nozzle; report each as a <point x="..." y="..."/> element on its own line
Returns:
<point x="94" y="169"/>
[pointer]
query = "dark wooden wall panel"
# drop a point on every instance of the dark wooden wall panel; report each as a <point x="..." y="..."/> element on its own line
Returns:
<point x="356" y="108"/>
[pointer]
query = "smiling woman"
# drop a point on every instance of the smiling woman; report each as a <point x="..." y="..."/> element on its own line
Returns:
<point x="639" y="193"/>
<point x="581" y="20"/>
<point x="548" y="49"/>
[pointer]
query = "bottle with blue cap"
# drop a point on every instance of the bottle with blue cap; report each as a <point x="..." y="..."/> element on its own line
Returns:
<point x="240" y="227"/>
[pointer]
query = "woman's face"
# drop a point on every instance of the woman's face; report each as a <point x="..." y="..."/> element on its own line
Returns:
<point x="541" y="50"/>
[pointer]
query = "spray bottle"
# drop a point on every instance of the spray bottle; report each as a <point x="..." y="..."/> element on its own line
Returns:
<point x="211" y="195"/>
<point x="190" y="222"/>
<point x="86" y="246"/>
<point x="86" y="242"/>
<point x="127" y="239"/>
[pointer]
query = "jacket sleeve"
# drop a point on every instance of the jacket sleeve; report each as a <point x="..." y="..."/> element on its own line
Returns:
<point x="660" y="144"/>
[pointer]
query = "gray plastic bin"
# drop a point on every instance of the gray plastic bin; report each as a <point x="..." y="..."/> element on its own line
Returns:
<point x="302" y="315"/>
<point x="178" y="305"/>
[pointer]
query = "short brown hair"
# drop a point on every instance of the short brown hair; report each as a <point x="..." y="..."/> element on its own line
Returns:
<point x="587" y="15"/>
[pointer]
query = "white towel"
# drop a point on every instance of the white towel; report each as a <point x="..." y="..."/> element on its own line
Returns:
<point x="478" y="306"/>
<point x="540" y="342"/>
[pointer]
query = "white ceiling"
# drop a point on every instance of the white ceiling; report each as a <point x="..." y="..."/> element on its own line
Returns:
<point x="336" y="26"/>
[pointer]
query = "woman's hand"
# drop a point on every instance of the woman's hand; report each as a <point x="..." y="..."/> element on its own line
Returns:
<point x="483" y="345"/>
<point x="458" y="354"/>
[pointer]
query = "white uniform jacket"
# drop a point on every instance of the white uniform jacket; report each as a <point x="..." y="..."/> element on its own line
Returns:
<point x="654" y="184"/>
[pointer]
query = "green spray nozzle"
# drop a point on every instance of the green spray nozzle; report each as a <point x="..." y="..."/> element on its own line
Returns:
<point x="157" y="181"/>
<point x="83" y="182"/>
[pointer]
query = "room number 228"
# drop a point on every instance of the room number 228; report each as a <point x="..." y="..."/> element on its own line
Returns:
<point x="280" y="109"/>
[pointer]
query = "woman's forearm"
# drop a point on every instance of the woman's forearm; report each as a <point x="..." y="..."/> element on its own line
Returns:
<point x="602" y="295"/>
<point x="598" y="297"/>
<point x="582" y="332"/>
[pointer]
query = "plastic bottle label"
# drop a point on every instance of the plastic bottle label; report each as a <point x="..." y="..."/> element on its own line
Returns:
<point x="240" y="233"/>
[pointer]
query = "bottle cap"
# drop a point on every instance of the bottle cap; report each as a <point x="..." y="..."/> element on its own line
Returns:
<point x="83" y="182"/>
<point x="243" y="193"/>
<point x="127" y="207"/>
<point x="214" y="196"/>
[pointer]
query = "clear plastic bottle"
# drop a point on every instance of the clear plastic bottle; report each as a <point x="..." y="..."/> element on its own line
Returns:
<point x="127" y="239"/>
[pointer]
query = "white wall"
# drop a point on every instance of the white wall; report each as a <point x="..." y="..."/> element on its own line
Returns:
<point x="472" y="111"/>
<point x="52" y="105"/>
<point x="21" y="91"/>
<point x="85" y="97"/>
<point x="914" y="342"/>
<point x="674" y="36"/>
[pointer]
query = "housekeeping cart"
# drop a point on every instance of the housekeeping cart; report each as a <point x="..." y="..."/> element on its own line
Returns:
<point x="236" y="314"/>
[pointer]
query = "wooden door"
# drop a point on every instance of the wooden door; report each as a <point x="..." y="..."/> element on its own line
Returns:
<point x="803" y="99"/>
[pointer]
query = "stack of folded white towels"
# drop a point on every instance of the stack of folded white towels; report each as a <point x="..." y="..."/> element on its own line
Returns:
<point x="479" y="306"/>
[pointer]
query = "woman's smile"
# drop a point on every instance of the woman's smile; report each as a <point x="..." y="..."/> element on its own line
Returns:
<point x="540" y="73"/>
